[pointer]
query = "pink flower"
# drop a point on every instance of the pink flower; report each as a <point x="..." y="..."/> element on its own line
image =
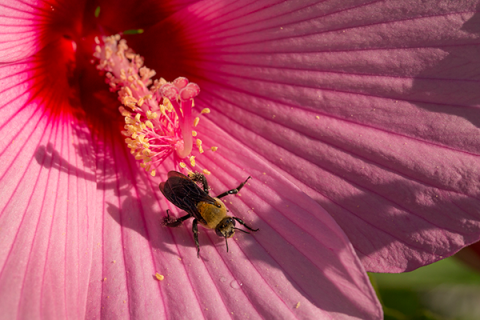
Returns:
<point x="358" y="122"/>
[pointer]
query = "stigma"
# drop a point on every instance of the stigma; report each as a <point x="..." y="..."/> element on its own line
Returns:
<point x="157" y="114"/>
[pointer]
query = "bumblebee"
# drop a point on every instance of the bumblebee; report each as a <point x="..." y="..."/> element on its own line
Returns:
<point x="211" y="212"/>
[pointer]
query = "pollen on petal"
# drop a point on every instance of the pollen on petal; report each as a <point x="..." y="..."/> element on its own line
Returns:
<point x="214" y="149"/>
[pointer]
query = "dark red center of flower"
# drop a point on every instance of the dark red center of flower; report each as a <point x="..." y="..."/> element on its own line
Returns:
<point x="66" y="81"/>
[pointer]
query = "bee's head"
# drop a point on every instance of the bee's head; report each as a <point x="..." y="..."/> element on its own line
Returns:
<point x="226" y="228"/>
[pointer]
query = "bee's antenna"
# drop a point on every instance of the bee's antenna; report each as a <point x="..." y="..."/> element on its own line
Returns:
<point x="241" y="230"/>
<point x="226" y="242"/>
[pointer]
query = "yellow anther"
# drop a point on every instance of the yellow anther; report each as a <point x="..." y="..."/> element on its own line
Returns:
<point x="205" y="171"/>
<point x="129" y="102"/>
<point x="128" y="91"/>
<point x="120" y="55"/>
<point x="108" y="53"/>
<point x="206" y="110"/>
<point x="182" y="165"/>
<point x="147" y="159"/>
<point x="146" y="152"/>
<point x="143" y="126"/>
<point x="198" y="143"/>
<point x="162" y="109"/>
<point x="153" y="173"/>
<point x="167" y="104"/>
<point x="192" y="161"/>
<point x="214" y="149"/>
<point x="131" y="128"/>
<point x="149" y="124"/>
<point x="195" y="122"/>
<point x="154" y="115"/>
<point x="137" y="117"/>
<point x="140" y="102"/>
<point x="126" y="113"/>
<point x="194" y="133"/>
<point x="139" y="156"/>
<point x="200" y="149"/>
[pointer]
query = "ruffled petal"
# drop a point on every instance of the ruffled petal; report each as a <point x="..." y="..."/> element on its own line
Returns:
<point x="371" y="108"/>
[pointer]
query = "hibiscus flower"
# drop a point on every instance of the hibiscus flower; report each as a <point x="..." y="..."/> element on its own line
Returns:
<point x="357" y="120"/>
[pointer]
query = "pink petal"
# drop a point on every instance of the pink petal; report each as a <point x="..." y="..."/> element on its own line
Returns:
<point x="82" y="234"/>
<point x="19" y="33"/>
<point x="371" y="108"/>
<point x="47" y="215"/>
<point x="294" y="258"/>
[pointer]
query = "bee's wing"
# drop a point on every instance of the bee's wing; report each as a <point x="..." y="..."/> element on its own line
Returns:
<point x="184" y="193"/>
<point x="169" y="184"/>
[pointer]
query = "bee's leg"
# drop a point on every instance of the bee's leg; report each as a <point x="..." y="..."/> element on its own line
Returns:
<point x="195" y="236"/>
<point x="199" y="177"/>
<point x="244" y="224"/>
<point x="169" y="222"/>
<point x="233" y="191"/>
